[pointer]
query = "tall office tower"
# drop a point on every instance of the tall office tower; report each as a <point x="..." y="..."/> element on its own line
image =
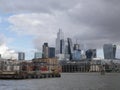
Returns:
<point x="45" y="50"/>
<point x="67" y="56"/>
<point x="109" y="51"/>
<point x="70" y="47"/>
<point x="21" y="56"/>
<point x="37" y="55"/>
<point x="60" y="45"/>
<point x="59" y="42"/>
<point x="51" y="52"/>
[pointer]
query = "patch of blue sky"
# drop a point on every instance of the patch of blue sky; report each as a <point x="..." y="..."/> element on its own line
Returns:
<point x="22" y="42"/>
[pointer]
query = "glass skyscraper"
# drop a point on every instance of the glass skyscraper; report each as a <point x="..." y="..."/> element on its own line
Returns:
<point x="70" y="47"/>
<point x="21" y="56"/>
<point x="51" y="52"/>
<point x="109" y="51"/>
<point x="45" y="50"/>
<point x="60" y="45"/>
<point x="59" y="42"/>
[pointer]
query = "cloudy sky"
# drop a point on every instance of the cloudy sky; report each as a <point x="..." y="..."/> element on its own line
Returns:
<point x="26" y="24"/>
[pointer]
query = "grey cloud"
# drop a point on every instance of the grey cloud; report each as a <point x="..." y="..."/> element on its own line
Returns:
<point x="35" y="5"/>
<point x="102" y="20"/>
<point x="93" y="22"/>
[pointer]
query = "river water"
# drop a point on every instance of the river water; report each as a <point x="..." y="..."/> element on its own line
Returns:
<point x="68" y="81"/>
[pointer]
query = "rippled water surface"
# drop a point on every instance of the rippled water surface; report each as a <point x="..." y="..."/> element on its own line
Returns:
<point x="68" y="81"/>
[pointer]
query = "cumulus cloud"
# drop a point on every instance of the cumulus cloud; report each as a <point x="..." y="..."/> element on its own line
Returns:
<point x="4" y="50"/>
<point x="7" y="53"/>
<point x="92" y="22"/>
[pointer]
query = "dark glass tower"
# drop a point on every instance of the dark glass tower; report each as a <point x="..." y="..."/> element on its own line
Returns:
<point x="51" y="52"/>
<point x="21" y="56"/>
<point x="109" y="51"/>
<point x="70" y="47"/>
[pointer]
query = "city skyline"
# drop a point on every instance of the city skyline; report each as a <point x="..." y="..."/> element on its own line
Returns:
<point x="25" y="27"/>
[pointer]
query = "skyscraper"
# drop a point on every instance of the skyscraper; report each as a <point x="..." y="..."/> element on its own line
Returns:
<point x="109" y="51"/>
<point x="60" y="45"/>
<point x="67" y="55"/>
<point x="21" y="56"/>
<point x="51" y="52"/>
<point x="45" y="50"/>
<point x="59" y="42"/>
<point x="70" y="47"/>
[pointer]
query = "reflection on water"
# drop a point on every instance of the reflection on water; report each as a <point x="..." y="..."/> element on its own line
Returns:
<point x="68" y="81"/>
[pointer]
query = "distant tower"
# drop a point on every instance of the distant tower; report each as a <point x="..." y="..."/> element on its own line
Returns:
<point x="60" y="46"/>
<point x="21" y="56"/>
<point x="59" y="42"/>
<point x="70" y="47"/>
<point x="51" y="52"/>
<point x="0" y="55"/>
<point x="45" y="50"/>
<point x="109" y="51"/>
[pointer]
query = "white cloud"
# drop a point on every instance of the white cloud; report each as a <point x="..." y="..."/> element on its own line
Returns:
<point x="34" y="24"/>
<point x="4" y="49"/>
<point x="40" y="25"/>
<point x="7" y="53"/>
